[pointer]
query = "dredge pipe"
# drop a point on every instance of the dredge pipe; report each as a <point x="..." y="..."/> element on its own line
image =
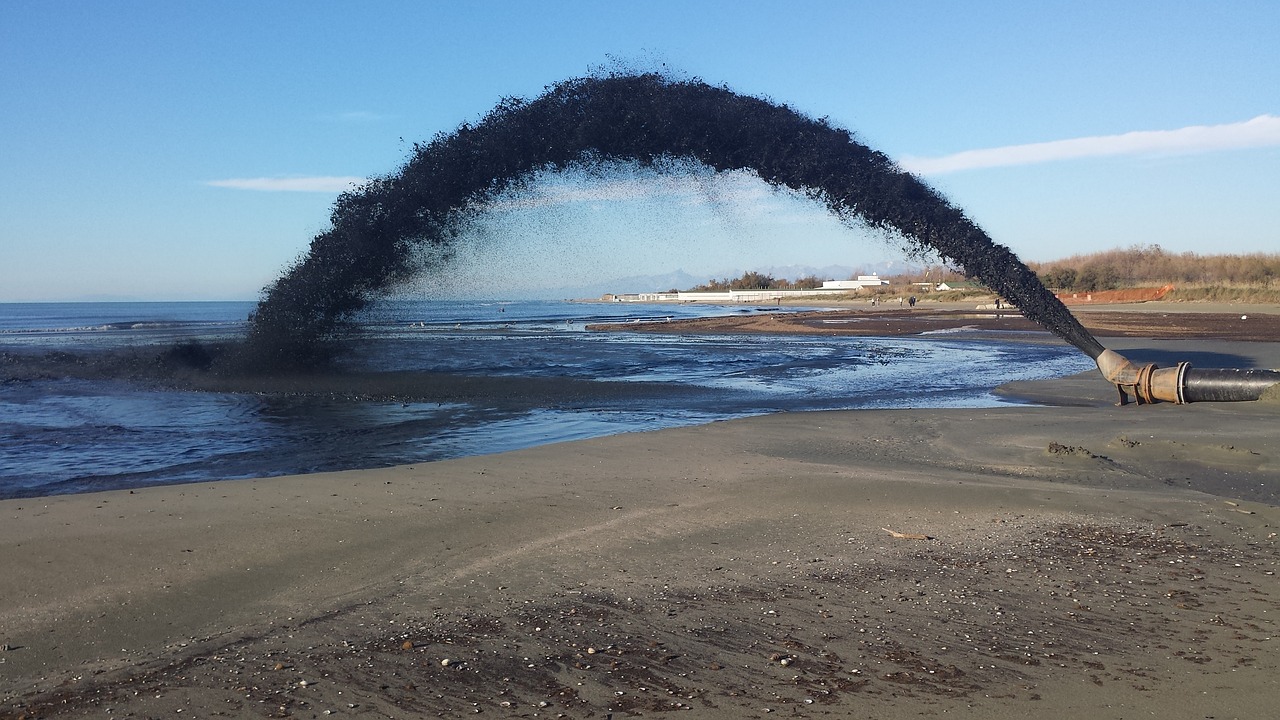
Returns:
<point x="1182" y="384"/>
<point x="1227" y="385"/>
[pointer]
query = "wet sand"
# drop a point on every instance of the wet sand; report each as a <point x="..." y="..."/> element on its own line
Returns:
<point x="1081" y="560"/>
<point x="1258" y="323"/>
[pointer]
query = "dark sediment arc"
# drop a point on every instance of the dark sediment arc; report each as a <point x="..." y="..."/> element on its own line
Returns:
<point x="378" y="231"/>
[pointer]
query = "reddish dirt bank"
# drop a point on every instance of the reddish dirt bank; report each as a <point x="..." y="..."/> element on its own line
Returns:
<point x="1107" y="297"/>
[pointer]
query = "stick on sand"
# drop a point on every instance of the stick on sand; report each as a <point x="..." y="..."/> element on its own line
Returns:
<point x="907" y="536"/>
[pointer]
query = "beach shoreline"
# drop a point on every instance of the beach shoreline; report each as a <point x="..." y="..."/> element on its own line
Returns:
<point x="1157" y="319"/>
<point x="1081" y="559"/>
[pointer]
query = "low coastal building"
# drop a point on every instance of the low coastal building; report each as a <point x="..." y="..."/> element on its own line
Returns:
<point x="829" y="288"/>
<point x="959" y="285"/>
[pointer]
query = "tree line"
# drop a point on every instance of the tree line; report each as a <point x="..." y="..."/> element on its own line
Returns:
<point x="752" y="280"/>
<point x="1152" y="265"/>
<point x="1136" y="266"/>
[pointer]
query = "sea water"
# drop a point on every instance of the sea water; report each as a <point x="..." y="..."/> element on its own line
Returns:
<point x="62" y="434"/>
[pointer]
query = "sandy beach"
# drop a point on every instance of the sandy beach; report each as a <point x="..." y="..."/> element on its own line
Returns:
<point x="1155" y="320"/>
<point x="1074" y="559"/>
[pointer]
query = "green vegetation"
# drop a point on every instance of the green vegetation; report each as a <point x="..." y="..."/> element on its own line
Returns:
<point x="759" y="281"/>
<point x="1221" y="294"/>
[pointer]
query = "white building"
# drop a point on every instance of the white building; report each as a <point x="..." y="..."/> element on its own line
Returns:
<point x="861" y="282"/>
<point x="829" y="287"/>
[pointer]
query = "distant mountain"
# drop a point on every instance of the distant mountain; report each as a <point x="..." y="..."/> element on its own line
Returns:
<point x="677" y="279"/>
<point x="838" y="272"/>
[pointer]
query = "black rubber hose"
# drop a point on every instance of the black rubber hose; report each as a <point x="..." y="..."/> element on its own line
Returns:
<point x="1227" y="385"/>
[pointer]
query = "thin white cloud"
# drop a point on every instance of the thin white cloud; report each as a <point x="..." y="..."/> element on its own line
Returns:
<point x="320" y="184"/>
<point x="1262" y="131"/>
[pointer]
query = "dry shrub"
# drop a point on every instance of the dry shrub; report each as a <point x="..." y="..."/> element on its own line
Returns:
<point x="1152" y="265"/>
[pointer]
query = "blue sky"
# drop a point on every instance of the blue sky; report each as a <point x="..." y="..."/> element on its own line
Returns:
<point x="184" y="151"/>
